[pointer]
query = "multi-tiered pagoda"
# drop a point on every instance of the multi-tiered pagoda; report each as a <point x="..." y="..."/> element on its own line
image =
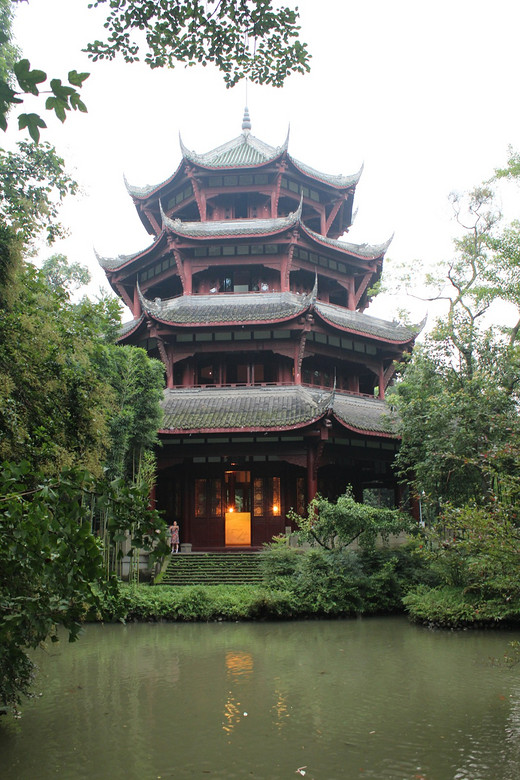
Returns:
<point x="275" y="376"/>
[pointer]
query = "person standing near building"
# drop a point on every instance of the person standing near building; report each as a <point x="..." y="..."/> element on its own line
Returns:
<point x="174" y="537"/>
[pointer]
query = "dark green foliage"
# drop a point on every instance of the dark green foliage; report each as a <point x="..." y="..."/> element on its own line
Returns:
<point x="474" y="553"/>
<point x="52" y="567"/>
<point x="10" y="261"/>
<point x="137" y="382"/>
<point x="451" y="607"/>
<point x="336" y="525"/>
<point x="57" y="405"/>
<point x="279" y="564"/>
<point x="297" y="584"/>
<point x="49" y="561"/>
<point x="33" y="183"/>
<point x="54" y="404"/>
<point x="330" y="582"/>
<point x="247" y="39"/>
<point x="218" y="31"/>
<point x="198" y="603"/>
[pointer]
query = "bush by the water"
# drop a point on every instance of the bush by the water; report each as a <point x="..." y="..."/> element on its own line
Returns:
<point x="343" y="581"/>
<point x="196" y="603"/>
<point x="297" y="583"/>
<point x="453" y="607"/>
<point x="473" y="557"/>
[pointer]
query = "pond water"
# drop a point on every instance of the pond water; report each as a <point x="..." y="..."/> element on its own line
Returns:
<point x="325" y="700"/>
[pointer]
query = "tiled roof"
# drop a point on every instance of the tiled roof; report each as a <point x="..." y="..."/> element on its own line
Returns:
<point x="268" y="307"/>
<point x="222" y="307"/>
<point x="147" y="189"/>
<point x="241" y="408"/>
<point x="260" y="408"/>
<point x="231" y="227"/>
<point x="244" y="151"/>
<point x="340" y="181"/>
<point x="241" y="152"/>
<point x="368" y="415"/>
<point x="366" y="251"/>
<point x="113" y="263"/>
<point x="127" y="327"/>
<point x="359" y="322"/>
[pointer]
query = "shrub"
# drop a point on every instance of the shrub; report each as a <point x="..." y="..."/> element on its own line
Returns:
<point x="279" y="563"/>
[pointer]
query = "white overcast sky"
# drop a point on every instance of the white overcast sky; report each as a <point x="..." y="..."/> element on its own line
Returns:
<point x="425" y="94"/>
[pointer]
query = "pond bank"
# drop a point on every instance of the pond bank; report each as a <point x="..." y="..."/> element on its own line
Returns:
<point x="206" y="603"/>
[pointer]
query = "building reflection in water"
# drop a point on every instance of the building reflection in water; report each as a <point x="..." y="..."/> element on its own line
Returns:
<point x="280" y="709"/>
<point x="239" y="668"/>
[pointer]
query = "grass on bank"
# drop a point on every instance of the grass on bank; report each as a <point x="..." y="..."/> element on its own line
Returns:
<point x="296" y="584"/>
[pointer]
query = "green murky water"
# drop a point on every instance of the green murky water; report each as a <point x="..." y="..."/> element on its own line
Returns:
<point x="336" y="700"/>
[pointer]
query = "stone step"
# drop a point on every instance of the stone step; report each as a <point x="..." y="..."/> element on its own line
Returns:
<point x="212" y="569"/>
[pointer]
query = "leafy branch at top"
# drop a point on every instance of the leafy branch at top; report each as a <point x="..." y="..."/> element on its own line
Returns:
<point x="62" y="97"/>
<point x="244" y="38"/>
<point x="207" y="31"/>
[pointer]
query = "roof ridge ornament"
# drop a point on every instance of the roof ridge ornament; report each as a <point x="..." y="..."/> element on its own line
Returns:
<point x="297" y="215"/>
<point x="142" y="300"/>
<point x="166" y="221"/>
<point x="184" y="149"/>
<point x="246" y="122"/>
<point x="314" y="293"/>
<point x="332" y="396"/>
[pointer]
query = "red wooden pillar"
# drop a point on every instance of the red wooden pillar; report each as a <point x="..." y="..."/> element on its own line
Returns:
<point x="188" y="279"/>
<point x="187" y="377"/>
<point x="136" y="309"/>
<point x="312" y="471"/>
<point x="187" y="507"/>
<point x="351" y="295"/>
<point x="381" y="382"/>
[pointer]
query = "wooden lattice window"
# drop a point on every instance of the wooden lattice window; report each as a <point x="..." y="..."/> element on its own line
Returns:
<point x="208" y="498"/>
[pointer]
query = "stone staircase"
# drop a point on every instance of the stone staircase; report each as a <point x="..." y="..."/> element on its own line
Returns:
<point x="212" y="569"/>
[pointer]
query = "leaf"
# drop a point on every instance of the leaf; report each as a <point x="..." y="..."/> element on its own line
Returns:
<point x="32" y="122"/>
<point x="58" y="106"/>
<point x="27" y="78"/>
<point x="8" y="95"/>
<point x="77" y="104"/>
<point x="61" y="91"/>
<point x="77" y="79"/>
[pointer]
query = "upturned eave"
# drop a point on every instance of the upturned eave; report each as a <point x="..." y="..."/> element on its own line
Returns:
<point x="111" y="265"/>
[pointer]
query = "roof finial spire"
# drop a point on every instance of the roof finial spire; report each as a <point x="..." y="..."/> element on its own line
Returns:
<point x="246" y="122"/>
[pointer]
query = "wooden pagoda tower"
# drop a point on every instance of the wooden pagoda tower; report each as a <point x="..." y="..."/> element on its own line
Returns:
<point x="275" y="375"/>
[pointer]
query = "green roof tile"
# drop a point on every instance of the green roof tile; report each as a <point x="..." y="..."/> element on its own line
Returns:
<point x="235" y="409"/>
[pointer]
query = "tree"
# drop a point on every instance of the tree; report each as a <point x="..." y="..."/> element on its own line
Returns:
<point x="62" y="516"/>
<point x="138" y="382"/>
<point x="33" y="184"/>
<point x="244" y="38"/>
<point x="64" y="511"/>
<point x="54" y="405"/>
<point x="59" y="274"/>
<point x="218" y="31"/>
<point x="458" y="394"/>
<point x="336" y="525"/>
<point x="52" y="567"/>
<point x="458" y="399"/>
<point x="9" y="53"/>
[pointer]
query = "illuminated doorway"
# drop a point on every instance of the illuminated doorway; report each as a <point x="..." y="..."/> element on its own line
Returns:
<point x="238" y="508"/>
